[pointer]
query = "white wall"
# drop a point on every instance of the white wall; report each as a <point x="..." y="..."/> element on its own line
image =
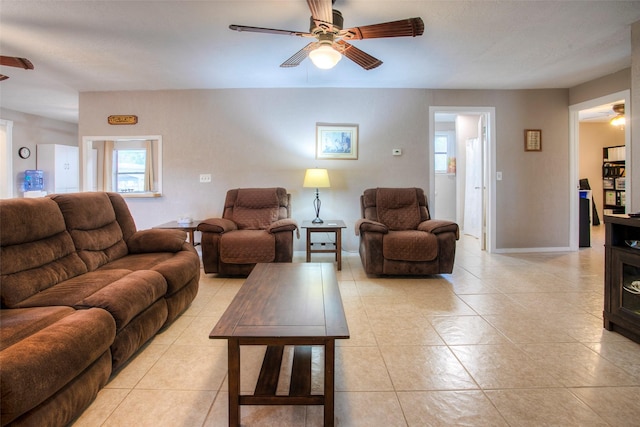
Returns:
<point x="266" y="137"/>
<point x="30" y="130"/>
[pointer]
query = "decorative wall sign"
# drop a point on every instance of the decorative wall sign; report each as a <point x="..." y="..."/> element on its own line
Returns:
<point x="122" y="120"/>
<point x="532" y="140"/>
<point x="334" y="141"/>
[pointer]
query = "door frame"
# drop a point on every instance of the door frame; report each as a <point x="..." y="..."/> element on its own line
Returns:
<point x="6" y="146"/>
<point x="574" y="156"/>
<point x="488" y="177"/>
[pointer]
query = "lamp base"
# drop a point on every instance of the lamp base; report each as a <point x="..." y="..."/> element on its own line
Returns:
<point x="317" y="221"/>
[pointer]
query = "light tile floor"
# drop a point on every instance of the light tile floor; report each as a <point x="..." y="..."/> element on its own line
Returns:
<point x="506" y="340"/>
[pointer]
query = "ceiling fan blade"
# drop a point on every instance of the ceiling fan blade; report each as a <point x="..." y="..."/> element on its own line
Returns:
<point x="3" y="77"/>
<point x="12" y="61"/>
<point x="411" y="27"/>
<point x="268" y="31"/>
<point x="321" y="11"/>
<point x="299" y="56"/>
<point x="361" y="58"/>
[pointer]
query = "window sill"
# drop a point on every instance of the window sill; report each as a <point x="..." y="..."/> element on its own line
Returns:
<point x="140" y="195"/>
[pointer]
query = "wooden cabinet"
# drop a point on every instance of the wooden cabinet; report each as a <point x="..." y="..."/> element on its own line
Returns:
<point x="613" y="179"/>
<point x="60" y="166"/>
<point x="621" y="270"/>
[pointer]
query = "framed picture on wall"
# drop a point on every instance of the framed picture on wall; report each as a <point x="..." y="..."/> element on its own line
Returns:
<point x="533" y="140"/>
<point x="336" y="141"/>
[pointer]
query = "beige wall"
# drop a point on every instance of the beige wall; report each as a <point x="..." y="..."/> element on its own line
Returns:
<point x="30" y="130"/>
<point x="593" y="137"/>
<point x="266" y="137"/>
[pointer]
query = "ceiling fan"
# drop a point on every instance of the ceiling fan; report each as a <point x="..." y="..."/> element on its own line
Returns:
<point x="12" y="61"/>
<point x="331" y="39"/>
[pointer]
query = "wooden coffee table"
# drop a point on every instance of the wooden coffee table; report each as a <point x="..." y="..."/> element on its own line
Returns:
<point x="284" y="304"/>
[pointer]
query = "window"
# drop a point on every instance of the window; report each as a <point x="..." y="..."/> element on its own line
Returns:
<point x="444" y="153"/>
<point x="129" y="168"/>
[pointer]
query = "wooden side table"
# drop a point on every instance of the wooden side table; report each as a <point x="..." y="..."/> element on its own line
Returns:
<point x="189" y="228"/>
<point x="328" y="226"/>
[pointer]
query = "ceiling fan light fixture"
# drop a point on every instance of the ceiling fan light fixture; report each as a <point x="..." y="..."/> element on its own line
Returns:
<point x="619" y="119"/>
<point x="325" y="57"/>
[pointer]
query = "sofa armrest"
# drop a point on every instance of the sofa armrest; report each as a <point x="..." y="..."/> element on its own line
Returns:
<point x="217" y="225"/>
<point x="369" y="225"/>
<point x="156" y="240"/>
<point x="437" y="226"/>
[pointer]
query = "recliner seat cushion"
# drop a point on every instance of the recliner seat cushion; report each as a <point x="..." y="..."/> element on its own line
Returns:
<point x="410" y="245"/>
<point x="398" y="208"/>
<point x="247" y="247"/>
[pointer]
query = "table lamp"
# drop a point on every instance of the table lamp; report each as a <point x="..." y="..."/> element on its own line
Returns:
<point x="316" y="178"/>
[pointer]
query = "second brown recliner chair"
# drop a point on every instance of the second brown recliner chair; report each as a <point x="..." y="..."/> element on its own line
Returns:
<point x="398" y="236"/>
<point x="255" y="226"/>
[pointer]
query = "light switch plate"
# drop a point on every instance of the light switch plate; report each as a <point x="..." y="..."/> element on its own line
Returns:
<point x="498" y="176"/>
<point x="205" y="177"/>
<point x="397" y="152"/>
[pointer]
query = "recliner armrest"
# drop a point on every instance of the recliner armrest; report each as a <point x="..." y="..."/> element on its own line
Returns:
<point x="437" y="226"/>
<point x="156" y="240"/>
<point x="217" y="225"/>
<point x="369" y="225"/>
<point x="286" y="224"/>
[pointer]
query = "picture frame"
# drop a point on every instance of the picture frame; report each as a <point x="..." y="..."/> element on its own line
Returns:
<point x="532" y="140"/>
<point x="336" y="141"/>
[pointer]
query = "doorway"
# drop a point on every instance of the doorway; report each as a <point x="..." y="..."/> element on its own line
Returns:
<point x="575" y="112"/>
<point x="462" y="169"/>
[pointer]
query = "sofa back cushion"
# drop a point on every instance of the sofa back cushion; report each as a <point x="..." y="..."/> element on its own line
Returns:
<point x="256" y="208"/>
<point x="36" y="250"/>
<point x="91" y="222"/>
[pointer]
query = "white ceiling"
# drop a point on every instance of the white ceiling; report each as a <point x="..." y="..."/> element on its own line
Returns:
<point x="79" y="46"/>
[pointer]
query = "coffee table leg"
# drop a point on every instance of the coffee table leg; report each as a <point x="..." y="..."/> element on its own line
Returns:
<point x="234" y="382"/>
<point x="329" y="376"/>
<point x="339" y="248"/>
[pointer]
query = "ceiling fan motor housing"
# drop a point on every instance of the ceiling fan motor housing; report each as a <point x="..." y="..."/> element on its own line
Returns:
<point x="338" y="22"/>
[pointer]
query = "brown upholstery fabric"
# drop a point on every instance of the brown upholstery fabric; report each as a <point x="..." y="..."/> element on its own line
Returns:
<point x="398" y="236"/>
<point x="398" y="208"/>
<point x="255" y="227"/>
<point x="156" y="240"/>
<point x="65" y="347"/>
<point x="36" y="251"/>
<point x="410" y="245"/>
<point x="255" y="209"/>
<point x="247" y="246"/>
<point x="91" y="221"/>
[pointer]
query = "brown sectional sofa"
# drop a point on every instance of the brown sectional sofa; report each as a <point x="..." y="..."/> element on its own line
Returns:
<point x="81" y="291"/>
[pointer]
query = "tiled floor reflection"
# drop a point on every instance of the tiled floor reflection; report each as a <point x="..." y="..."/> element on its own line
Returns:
<point x="506" y="340"/>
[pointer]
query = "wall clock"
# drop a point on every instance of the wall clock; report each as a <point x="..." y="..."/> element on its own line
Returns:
<point x="24" y="152"/>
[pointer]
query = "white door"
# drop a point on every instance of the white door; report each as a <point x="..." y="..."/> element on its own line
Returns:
<point x="473" y="189"/>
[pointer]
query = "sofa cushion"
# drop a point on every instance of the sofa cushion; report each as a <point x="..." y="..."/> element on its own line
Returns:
<point x="91" y="221"/>
<point x="410" y="245"/>
<point x="255" y="208"/>
<point x="398" y="208"/>
<point x="36" y="251"/>
<point x="247" y="247"/>
<point x="47" y="359"/>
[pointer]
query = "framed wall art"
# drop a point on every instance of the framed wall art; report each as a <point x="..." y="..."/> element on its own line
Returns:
<point x="336" y="141"/>
<point x="532" y="140"/>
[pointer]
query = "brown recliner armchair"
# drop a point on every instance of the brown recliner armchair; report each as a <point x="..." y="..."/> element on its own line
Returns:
<point x="398" y="236"/>
<point x="256" y="226"/>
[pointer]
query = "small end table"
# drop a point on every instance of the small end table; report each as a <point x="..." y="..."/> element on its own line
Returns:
<point x="328" y="226"/>
<point x="188" y="227"/>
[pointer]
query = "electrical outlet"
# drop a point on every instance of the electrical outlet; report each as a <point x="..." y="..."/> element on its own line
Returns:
<point x="205" y="177"/>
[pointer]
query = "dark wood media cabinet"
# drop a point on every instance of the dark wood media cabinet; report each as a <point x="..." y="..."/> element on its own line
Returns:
<point x="622" y="268"/>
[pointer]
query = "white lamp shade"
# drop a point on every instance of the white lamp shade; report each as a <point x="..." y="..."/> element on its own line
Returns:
<point x="325" y="57"/>
<point x="316" y="178"/>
